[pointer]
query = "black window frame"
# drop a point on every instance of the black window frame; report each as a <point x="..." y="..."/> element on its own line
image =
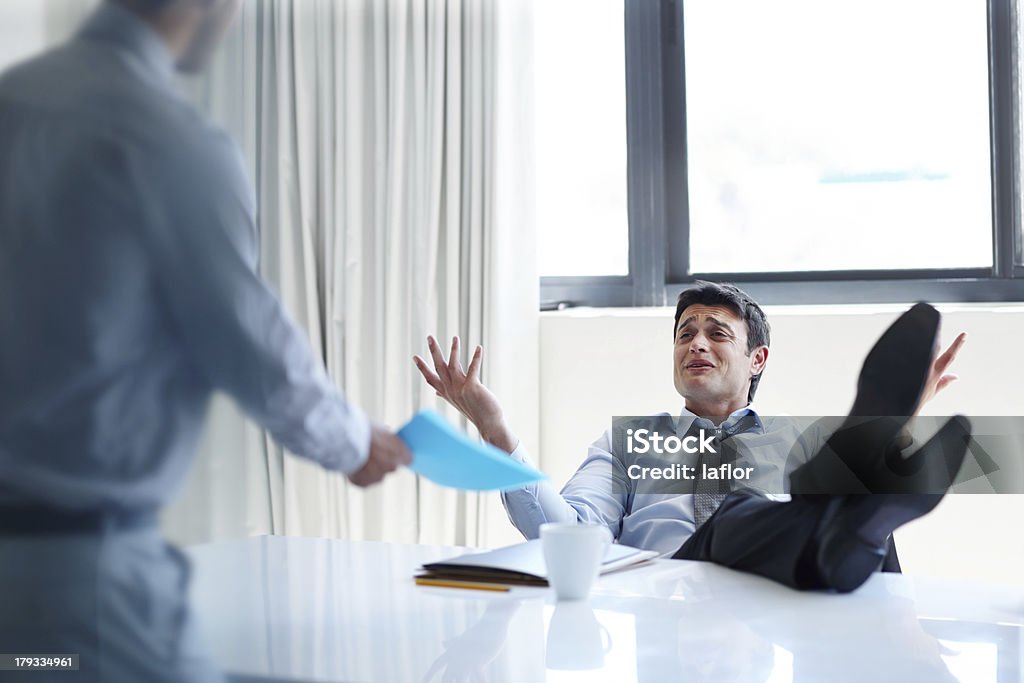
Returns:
<point x="656" y="141"/>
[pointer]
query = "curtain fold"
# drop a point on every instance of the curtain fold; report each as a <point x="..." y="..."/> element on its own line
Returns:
<point x="389" y="142"/>
<point x="62" y="17"/>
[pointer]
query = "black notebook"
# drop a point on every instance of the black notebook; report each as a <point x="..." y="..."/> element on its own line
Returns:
<point x="521" y="564"/>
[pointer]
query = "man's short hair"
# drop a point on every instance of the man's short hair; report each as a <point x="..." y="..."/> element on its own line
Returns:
<point x="739" y="302"/>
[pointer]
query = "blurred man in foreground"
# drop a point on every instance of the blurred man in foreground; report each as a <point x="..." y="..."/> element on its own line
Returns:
<point x="129" y="292"/>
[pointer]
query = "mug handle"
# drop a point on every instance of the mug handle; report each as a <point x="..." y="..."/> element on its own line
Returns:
<point x="605" y="636"/>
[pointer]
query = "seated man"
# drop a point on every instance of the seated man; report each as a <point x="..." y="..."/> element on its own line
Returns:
<point x="721" y="350"/>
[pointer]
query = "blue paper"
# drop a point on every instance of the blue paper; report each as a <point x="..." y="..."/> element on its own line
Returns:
<point x="448" y="457"/>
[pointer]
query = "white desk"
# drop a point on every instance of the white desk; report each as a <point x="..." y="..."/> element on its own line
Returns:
<point x="299" y="609"/>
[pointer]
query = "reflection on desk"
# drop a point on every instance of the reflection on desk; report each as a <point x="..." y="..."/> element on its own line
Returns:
<point x="298" y="609"/>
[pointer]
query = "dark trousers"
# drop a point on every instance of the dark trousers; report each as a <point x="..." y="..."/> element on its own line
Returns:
<point x="773" y="539"/>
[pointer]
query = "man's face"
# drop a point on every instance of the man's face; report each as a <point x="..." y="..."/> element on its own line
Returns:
<point x="214" y="22"/>
<point x="711" y="363"/>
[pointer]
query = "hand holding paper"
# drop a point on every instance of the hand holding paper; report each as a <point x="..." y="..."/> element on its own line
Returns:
<point x="449" y="458"/>
<point x="387" y="453"/>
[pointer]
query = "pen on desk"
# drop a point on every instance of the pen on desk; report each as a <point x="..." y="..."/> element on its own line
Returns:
<point x="445" y="583"/>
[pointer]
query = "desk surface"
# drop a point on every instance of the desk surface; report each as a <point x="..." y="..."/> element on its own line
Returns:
<point x="301" y="609"/>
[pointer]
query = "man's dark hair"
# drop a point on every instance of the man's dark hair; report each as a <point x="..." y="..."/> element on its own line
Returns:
<point x="739" y="302"/>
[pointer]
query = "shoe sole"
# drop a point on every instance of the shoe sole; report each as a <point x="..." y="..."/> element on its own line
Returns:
<point x="888" y="390"/>
<point x="904" y="350"/>
<point x="845" y="558"/>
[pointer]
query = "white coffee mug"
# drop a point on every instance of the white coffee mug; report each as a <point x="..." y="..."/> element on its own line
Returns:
<point x="573" y="554"/>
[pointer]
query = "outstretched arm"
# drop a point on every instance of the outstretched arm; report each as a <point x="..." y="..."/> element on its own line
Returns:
<point x="203" y="245"/>
<point x="595" y="494"/>
<point x="589" y="497"/>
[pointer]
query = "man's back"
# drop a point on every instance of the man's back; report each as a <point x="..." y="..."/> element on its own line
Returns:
<point x="129" y="291"/>
<point x="101" y="400"/>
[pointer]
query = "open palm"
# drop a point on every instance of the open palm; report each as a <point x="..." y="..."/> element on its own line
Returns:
<point x="462" y="388"/>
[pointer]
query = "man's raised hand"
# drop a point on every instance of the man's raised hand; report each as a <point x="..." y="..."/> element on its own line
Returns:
<point x="463" y="389"/>
<point x="938" y="378"/>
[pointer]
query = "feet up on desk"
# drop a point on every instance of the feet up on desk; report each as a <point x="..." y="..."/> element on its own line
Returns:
<point x="889" y="389"/>
<point x="895" y="370"/>
<point x="853" y="534"/>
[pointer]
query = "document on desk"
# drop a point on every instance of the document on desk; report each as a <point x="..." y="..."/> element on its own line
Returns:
<point x="448" y="457"/>
<point x="522" y="564"/>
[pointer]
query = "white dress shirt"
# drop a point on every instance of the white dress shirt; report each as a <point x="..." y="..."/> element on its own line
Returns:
<point x="129" y="288"/>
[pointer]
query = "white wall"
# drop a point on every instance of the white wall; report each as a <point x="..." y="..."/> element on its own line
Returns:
<point x="600" y="363"/>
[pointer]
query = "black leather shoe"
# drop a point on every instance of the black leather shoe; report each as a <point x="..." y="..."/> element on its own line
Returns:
<point x="889" y="388"/>
<point x="895" y="370"/>
<point x="854" y="531"/>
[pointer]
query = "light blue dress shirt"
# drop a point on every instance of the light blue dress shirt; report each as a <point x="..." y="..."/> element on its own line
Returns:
<point x="645" y="516"/>
<point x="129" y="289"/>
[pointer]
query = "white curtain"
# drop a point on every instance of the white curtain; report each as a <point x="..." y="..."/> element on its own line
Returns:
<point x="390" y="145"/>
<point x="62" y="17"/>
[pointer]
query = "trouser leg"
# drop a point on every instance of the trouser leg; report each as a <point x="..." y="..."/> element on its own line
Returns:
<point x="119" y="601"/>
<point x="754" y="534"/>
<point x="777" y="540"/>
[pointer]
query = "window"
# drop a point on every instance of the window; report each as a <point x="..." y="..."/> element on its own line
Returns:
<point x="870" y="149"/>
<point x="581" y="138"/>
<point x="837" y="136"/>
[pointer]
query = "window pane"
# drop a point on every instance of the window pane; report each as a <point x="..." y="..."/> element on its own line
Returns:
<point x="826" y="135"/>
<point x="581" y="138"/>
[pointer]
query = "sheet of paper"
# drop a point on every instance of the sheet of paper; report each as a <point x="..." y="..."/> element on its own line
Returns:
<point x="448" y="457"/>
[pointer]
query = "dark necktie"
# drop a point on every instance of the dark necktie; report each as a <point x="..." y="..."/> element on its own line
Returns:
<point x="708" y="494"/>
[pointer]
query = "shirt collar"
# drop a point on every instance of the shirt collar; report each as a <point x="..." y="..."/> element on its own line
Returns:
<point x="116" y="25"/>
<point x="733" y="418"/>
